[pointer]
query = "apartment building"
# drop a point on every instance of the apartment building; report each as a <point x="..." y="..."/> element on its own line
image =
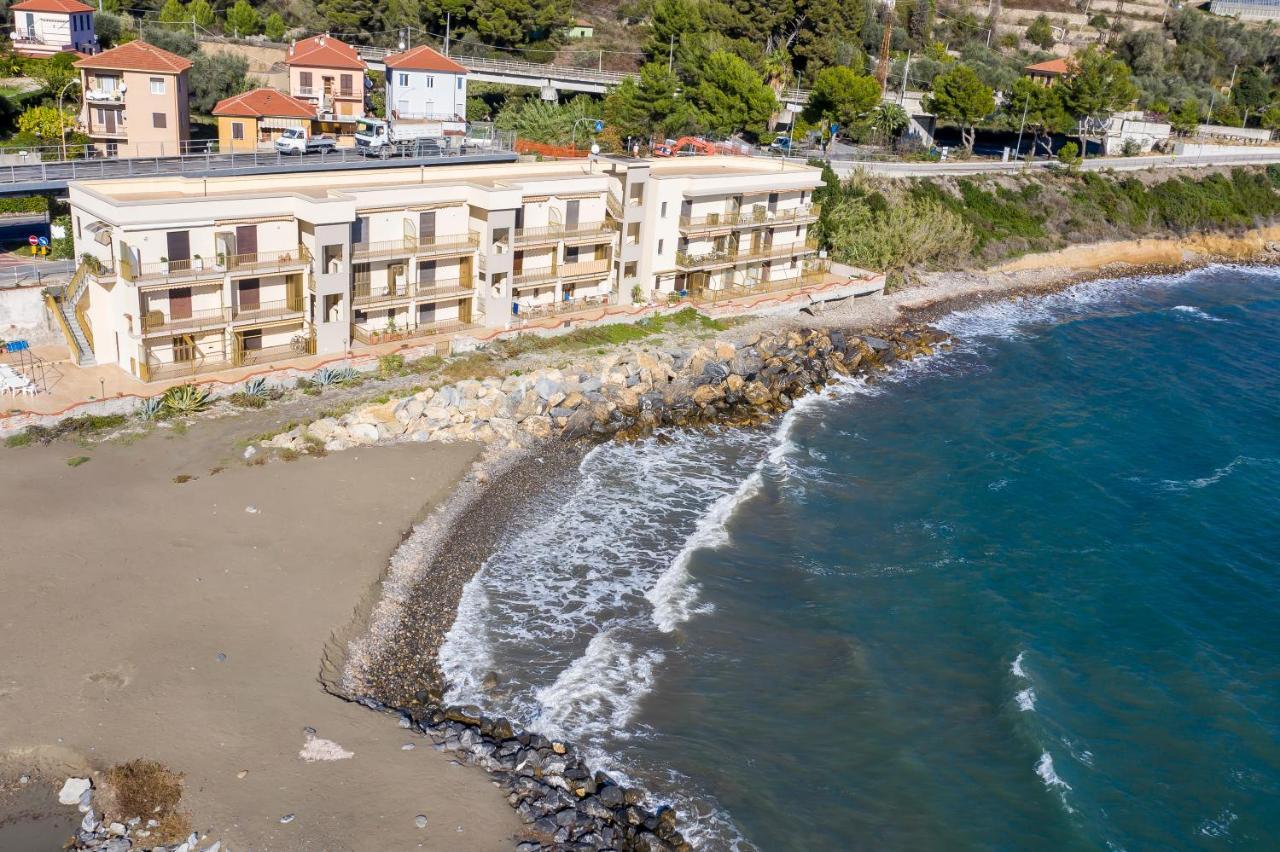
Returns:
<point x="135" y="101"/>
<point x="328" y="73"/>
<point x="424" y="84"/>
<point x="44" y="27"/>
<point x="183" y="276"/>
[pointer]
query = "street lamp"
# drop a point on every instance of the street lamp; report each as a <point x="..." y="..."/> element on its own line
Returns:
<point x="597" y="123"/>
<point x="62" y="128"/>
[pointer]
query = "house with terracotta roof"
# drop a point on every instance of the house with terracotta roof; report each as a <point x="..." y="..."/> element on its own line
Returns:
<point x="1047" y="73"/>
<point x="256" y="118"/>
<point x="45" y="27"/>
<point x="424" y="84"/>
<point x="135" y="101"/>
<point x="328" y="73"/>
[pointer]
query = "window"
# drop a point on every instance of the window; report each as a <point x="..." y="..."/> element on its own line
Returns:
<point x="159" y="120"/>
<point x="664" y="210"/>
<point x="404" y="79"/>
<point x="431" y="82"/>
<point x="157" y="85"/>
<point x="660" y="242"/>
<point x="332" y="303"/>
<point x="77" y="227"/>
<point x="629" y="271"/>
<point x="304" y="79"/>
<point x="459" y="84"/>
<point x="332" y="260"/>
<point x="237" y="130"/>
<point x="571" y="254"/>
<point x="346" y="85"/>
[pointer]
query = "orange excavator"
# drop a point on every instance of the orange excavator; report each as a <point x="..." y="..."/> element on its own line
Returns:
<point x="686" y="146"/>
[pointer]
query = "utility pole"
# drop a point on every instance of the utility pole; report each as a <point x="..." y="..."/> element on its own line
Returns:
<point x="448" y="22"/>
<point x="193" y="26"/>
<point x="671" y="54"/>
<point x="902" y="93"/>
<point x="1025" y="104"/>
<point x="882" y="68"/>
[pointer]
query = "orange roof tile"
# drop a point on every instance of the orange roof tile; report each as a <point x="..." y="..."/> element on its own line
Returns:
<point x="58" y="6"/>
<point x="325" y="51"/>
<point x="424" y="58"/>
<point x="1052" y="66"/>
<point x="137" y="56"/>
<point x="265" y="102"/>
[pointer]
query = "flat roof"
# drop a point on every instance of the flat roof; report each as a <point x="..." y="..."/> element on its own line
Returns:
<point x="328" y="184"/>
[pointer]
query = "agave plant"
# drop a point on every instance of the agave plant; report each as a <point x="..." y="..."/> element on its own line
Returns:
<point x="326" y="376"/>
<point x="256" y="387"/>
<point x="151" y="407"/>
<point x="186" y="399"/>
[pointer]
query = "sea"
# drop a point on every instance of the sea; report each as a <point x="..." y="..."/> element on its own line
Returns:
<point x="1022" y="594"/>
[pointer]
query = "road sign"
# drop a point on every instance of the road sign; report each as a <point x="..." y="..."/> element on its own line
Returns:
<point x="599" y="126"/>
<point x="44" y="241"/>
<point x="33" y="240"/>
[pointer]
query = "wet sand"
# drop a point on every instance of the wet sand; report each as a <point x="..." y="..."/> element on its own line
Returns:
<point x="123" y="587"/>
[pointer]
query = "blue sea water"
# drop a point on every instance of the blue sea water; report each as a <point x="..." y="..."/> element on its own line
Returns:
<point x="1024" y="594"/>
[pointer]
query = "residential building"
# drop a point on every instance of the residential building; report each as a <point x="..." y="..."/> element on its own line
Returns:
<point x="1134" y="130"/>
<point x="135" y="101"/>
<point x="255" y="118"/>
<point x="188" y="275"/>
<point x="328" y="73"/>
<point x="423" y="84"/>
<point x="45" y="27"/>
<point x="582" y="28"/>
<point x="1247" y="10"/>
<point x="1047" y="73"/>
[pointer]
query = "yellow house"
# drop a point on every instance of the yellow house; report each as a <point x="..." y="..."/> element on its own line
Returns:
<point x="256" y="118"/>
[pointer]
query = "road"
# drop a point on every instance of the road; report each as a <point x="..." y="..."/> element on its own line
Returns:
<point x="42" y="177"/>
<point x="1120" y="164"/>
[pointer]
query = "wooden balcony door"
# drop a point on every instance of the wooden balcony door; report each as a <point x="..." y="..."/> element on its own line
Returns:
<point x="178" y="244"/>
<point x="246" y="242"/>
<point x="180" y="303"/>
<point x="571" y="214"/>
<point x="427" y="227"/>
<point x="249" y="294"/>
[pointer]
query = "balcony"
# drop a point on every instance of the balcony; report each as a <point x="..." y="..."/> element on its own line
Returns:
<point x="564" y="306"/>
<point x="306" y="92"/>
<point x="755" y="217"/>
<point x="372" y="337"/>
<point x="585" y="269"/>
<point x="733" y="256"/>
<point x="807" y="278"/>
<point x="302" y="345"/>
<point x="294" y="259"/>
<point x="157" y="322"/>
<point x="555" y="233"/>
<point x="364" y="293"/>
<point x="279" y="309"/>
<point x="104" y="97"/>
<point x="448" y="288"/>
<point x="530" y="277"/>
<point x="171" y="271"/>
<point x="434" y="246"/>
<point x="97" y="131"/>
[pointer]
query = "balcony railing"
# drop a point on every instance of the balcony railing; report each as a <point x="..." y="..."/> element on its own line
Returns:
<point x="277" y="309"/>
<point x="445" y="288"/>
<point x="805" y="279"/>
<point x="729" y="257"/>
<point x="306" y="92"/>
<point x="259" y="262"/>
<point x="584" y="268"/>
<point x="424" y="247"/>
<point x="564" y="306"/>
<point x="365" y="293"/>
<point x="751" y="218"/>
<point x="372" y="337"/>
<point x="552" y="233"/>
<point x="154" y="322"/>
<point x="104" y="96"/>
<point x="171" y="270"/>
<point x="301" y="346"/>
<point x="527" y="277"/>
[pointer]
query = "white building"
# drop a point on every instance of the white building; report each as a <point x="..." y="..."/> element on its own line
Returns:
<point x="1132" y="127"/>
<point x="424" y="84"/>
<point x="46" y="27"/>
<point x="182" y="276"/>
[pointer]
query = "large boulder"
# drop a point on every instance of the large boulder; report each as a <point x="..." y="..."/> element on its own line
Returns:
<point x="363" y="433"/>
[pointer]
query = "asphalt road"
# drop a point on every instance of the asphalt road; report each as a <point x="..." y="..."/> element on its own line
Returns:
<point x="1120" y="164"/>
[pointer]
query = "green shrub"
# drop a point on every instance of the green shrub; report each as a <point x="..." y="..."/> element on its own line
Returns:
<point x="186" y="399"/>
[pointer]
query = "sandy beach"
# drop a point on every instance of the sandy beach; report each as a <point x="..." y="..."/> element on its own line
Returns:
<point x="124" y="587"/>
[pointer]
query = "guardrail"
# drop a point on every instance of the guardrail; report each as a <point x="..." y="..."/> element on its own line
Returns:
<point x="279" y="260"/>
<point x="157" y="321"/>
<point x="543" y="233"/>
<point x="751" y="217"/>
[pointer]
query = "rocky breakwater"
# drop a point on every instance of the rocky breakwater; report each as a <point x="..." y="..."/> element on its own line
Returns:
<point x="628" y="393"/>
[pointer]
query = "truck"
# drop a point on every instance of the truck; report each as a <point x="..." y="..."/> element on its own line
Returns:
<point x="295" y="140"/>
<point x="400" y="138"/>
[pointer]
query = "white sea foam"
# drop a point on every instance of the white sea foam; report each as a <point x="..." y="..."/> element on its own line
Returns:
<point x="599" y="692"/>
<point x="1219" y="826"/>
<point x="1044" y="768"/>
<point x="1016" y="667"/>
<point x="1196" y="313"/>
<point x="1026" y="700"/>
<point x="1205" y="481"/>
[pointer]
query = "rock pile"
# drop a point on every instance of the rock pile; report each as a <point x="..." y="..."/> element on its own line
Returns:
<point x="626" y="394"/>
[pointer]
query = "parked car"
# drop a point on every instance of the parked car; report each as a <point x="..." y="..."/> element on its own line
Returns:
<point x="295" y="140"/>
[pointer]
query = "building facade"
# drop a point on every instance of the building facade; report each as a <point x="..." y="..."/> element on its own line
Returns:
<point x="424" y="84"/>
<point x="186" y="276"/>
<point x="45" y="27"/>
<point x="135" y="101"/>
<point x="327" y="73"/>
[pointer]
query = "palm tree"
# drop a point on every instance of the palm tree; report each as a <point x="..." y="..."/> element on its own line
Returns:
<point x="889" y="120"/>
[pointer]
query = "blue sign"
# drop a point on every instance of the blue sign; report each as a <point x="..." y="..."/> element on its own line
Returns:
<point x="599" y="126"/>
<point x="44" y="241"/>
<point x="834" y="127"/>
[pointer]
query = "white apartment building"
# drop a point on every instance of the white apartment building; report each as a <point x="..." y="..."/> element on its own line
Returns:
<point x="45" y="27"/>
<point x="182" y="276"/>
<point x="424" y="84"/>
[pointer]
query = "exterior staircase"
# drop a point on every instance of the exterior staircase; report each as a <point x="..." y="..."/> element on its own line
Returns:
<point x="65" y="305"/>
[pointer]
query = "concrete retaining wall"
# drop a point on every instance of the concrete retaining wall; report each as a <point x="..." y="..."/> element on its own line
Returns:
<point x="23" y="316"/>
